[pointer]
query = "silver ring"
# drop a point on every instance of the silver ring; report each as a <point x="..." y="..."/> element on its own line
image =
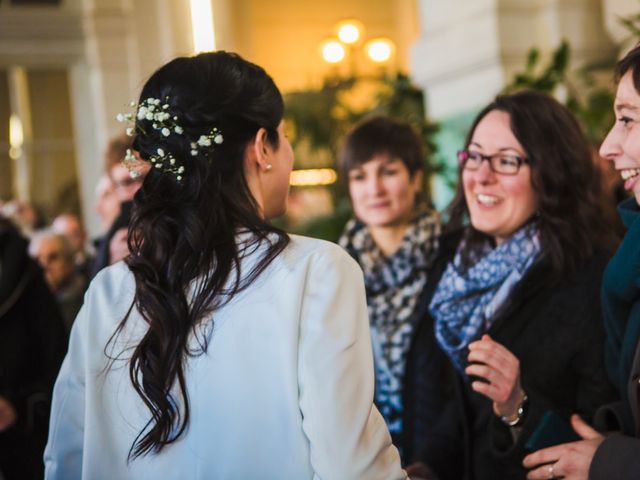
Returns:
<point x="551" y="475"/>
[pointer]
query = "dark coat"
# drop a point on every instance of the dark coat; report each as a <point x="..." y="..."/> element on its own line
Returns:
<point x="555" y="329"/>
<point x="427" y="385"/>
<point x="32" y="346"/>
<point x="618" y="457"/>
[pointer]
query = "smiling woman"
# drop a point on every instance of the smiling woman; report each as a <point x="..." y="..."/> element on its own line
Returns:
<point x="615" y="456"/>
<point x="524" y="261"/>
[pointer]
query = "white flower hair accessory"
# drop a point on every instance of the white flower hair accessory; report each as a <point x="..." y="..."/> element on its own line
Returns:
<point x="166" y="163"/>
<point x="154" y="111"/>
<point x="214" y="137"/>
<point x="132" y="163"/>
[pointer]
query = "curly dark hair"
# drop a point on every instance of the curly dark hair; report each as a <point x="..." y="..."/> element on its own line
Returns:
<point x="183" y="234"/>
<point x="571" y="201"/>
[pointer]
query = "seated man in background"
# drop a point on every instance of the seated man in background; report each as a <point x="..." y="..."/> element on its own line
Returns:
<point x="55" y="254"/>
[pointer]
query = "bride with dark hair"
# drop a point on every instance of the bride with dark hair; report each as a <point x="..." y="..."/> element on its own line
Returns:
<point x="221" y="347"/>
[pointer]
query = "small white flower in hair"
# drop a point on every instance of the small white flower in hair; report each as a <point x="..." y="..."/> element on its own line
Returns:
<point x="194" y="153"/>
<point x="129" y="131"/>
<point x="166" y="132"/>
<point x="160" y="152"/>
<point x="149" y="116"/>
<point x="204" y="141"/>
<point x="178" y="129"/>
<point x="120" y="117"/>
<point x="218" y="139"/>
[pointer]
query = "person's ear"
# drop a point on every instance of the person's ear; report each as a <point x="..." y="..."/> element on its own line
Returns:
<point x="416" y="180"/>
<point x="260" y="151"/>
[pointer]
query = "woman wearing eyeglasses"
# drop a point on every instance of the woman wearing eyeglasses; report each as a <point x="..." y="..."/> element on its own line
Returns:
<point x="517" y="309"/>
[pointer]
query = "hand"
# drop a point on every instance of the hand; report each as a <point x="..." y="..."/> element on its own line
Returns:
<point x="8" y="414"/>
<point x="492" y="361"/>
<point x="570" y="461"/>
<point x="420" y="471"/>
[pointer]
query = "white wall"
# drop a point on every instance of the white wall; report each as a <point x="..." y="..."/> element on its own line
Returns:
<point x="469" y="49"/>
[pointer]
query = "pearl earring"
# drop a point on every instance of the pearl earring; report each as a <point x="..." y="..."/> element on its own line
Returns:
<point x="268" y="167"/>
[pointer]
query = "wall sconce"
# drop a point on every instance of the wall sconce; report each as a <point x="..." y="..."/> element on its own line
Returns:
<point x="380" y="50"/>
<point x="332" y="51"/>
<point x="350" y="32"/>
<point x="349" y="37"/>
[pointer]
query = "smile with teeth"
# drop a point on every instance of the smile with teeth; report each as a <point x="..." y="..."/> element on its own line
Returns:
<point x="487" y="199"/>
<point x="628" y="173"/>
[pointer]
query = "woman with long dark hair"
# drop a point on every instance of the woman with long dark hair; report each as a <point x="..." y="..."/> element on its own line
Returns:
<point x="221" y="347"/>
<point x="517" y="309"/>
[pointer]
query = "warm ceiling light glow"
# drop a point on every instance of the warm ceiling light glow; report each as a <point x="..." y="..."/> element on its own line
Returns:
<point x="16" y="136"/>
<point x="380" y="50"/>
<point x="349" y="31"/>
<point x="204" y="39"/>
<point x="313" y="177"/>
<point x="332" y="51"/>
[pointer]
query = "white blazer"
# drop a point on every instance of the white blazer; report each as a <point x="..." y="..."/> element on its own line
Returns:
<point x="284" y="391"/>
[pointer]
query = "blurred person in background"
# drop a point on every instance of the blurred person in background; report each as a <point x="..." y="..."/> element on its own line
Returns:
<point x="56" y="255"/>
<point x="112" y="247"/>
<point x="394" y="238"/>
<point x="71" y="226"/>
<point x="32" y="345"/>
<point x="107" y="202"/>
<point x="24" y="215"/>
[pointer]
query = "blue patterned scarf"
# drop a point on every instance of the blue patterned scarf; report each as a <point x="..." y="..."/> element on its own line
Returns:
<point x="466" y="301"/>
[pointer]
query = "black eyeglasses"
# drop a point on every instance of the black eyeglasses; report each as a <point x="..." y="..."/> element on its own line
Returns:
<point x="502" y="163"/>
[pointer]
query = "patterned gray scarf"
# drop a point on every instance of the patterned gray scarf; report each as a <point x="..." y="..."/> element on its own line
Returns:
<point x="466" y="301"/>
<point x="393" y="286"/>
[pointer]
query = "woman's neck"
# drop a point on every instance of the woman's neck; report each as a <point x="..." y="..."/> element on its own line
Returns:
<point x="389" y="238"/>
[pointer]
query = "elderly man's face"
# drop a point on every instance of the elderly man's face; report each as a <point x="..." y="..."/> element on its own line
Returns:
<point x="57" y="267"/>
